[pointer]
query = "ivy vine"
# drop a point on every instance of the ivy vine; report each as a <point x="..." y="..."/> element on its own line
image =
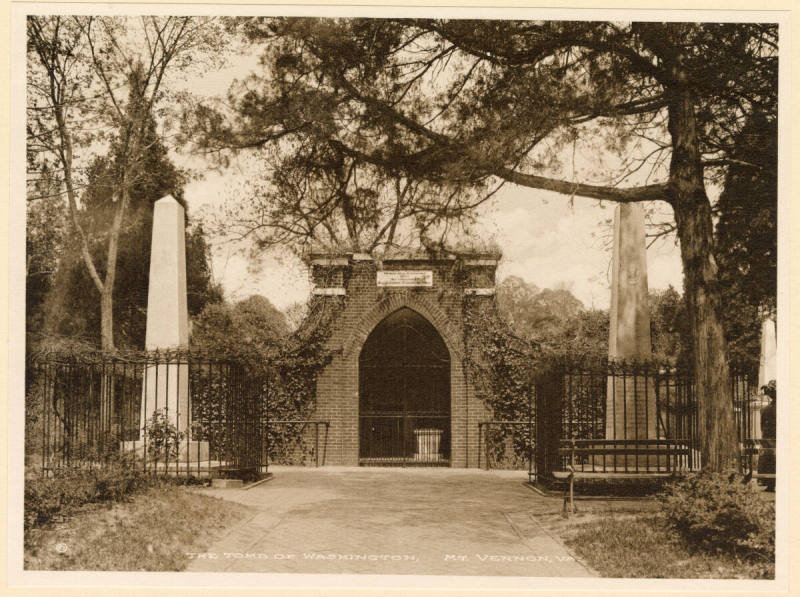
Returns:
<point x="502" y="368"/>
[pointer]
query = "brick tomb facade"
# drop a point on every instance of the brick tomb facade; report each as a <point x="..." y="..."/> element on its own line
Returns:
<point x="397" y="389"/>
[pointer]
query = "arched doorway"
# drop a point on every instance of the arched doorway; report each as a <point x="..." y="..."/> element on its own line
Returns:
<point x="404" y="394"/>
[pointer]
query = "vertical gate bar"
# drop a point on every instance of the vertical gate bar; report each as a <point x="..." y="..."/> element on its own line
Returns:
<point x="570" y="390"/>
<point x="50" y="395"/>
<point x="143" y="423"/>
<point x="613" y="409"/>
<point x="625" y="411"/>
<point x="212" y="446"/>
<point x="58" y="455"/>
<point x="266" y="434"/>
<point x="646" y="422"/>
<point x="189" y="401"/>
<point x="42" y="372"/>
<point x="530" y="433"/>
<point x="316" y="443"/>
<point x="229" y="412"/>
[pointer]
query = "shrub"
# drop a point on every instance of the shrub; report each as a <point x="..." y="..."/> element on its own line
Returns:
<point x="59" y="495"/>
<point x="163" y="437"/>
<point x="719" y="513"/>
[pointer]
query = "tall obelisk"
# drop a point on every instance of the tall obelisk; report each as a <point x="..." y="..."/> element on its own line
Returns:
<point x="630" y="402"/>
<point x="166" y="381"/>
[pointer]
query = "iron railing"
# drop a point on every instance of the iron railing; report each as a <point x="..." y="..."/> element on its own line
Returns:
<point x="614" y="418"/>
<point x="629" y="417"/>
<point x="173" y="412"/>
<point x="404" y="439"/>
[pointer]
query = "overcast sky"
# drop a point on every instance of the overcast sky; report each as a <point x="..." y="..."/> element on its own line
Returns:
<point x="544" y="240"/>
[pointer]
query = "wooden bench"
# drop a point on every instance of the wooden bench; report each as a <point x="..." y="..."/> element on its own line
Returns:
<point x="670" y="451"/>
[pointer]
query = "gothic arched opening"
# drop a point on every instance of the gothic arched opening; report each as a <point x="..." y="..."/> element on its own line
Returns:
<point x="404" y="393"/>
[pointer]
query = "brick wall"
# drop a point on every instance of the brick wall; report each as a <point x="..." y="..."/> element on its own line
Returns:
<point x="366" y="305"/>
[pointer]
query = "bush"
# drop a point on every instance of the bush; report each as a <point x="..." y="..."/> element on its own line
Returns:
<point x="163" y="437"/>
<point x="59" y="495"/>
<point x="719" y="513"/>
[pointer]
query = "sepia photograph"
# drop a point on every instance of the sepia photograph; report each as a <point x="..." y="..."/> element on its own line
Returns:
<point x="398" y="297"/>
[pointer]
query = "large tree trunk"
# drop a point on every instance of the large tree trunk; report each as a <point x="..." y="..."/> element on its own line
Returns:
<point x="716" y="430"/>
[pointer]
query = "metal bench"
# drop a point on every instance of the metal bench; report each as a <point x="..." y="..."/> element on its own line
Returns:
<point x="670" y="456"/>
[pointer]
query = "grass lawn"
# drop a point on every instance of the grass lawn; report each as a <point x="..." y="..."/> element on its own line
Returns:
<point x="628" y="543"/>
<point x="151" y="532"/>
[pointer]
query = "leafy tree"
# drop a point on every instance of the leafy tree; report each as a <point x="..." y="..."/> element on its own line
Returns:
<point x="80" y="70"/>
<point x="541" y="316"/>
<point x="252" y="324"/>
<point x="469" y="105"/>
<point x="44" y="245"/>
<point x="515" y="299"/>
<point x="669" y="327"/>
<point x="747" y="236"/>
<point x="67" y="312"/>
<point x="557" y="322"/>
<point x="553" y="320"/>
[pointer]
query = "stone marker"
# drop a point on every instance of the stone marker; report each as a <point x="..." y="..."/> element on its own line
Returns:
<point x="767" y="367"/>
<point x="630" y="402"/>
<point x="767" y="371"/>
<point x="166" y="385"/>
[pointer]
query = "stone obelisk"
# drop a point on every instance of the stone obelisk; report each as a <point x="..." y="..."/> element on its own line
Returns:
<point x="166" y="381"/>
<point x="630" y="401"/>
<point x="167" y="385"/>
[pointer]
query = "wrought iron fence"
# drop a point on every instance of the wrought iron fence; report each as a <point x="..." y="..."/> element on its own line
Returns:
<point x="179" y="413"/>
<point x="639" y="417"/>
<point x="747" y="404"/>
<point x="614" y="417"/>
<point x="404" y="439"/>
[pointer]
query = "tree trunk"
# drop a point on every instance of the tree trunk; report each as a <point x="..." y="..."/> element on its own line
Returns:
<point x="716" y="430"/>
<point x="107" y="318"/>
<point x="107" y="294"/>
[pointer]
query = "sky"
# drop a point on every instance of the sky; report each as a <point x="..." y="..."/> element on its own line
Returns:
<point x="544" y="240"/>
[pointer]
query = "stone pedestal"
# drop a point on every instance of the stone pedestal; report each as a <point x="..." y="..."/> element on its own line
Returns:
<point x="630" y="402"/>
<point x="630" y="408"/>
<point x="428" y="442"/>
<point x="191" y="451"/>
<point x="166" y="391"/>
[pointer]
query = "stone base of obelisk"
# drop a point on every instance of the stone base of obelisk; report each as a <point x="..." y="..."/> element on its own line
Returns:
<point x="631" y="408"/>
<point x="191" y="451"/>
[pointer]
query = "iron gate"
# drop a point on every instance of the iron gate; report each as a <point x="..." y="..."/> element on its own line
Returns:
<point x="404" y="394"/>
